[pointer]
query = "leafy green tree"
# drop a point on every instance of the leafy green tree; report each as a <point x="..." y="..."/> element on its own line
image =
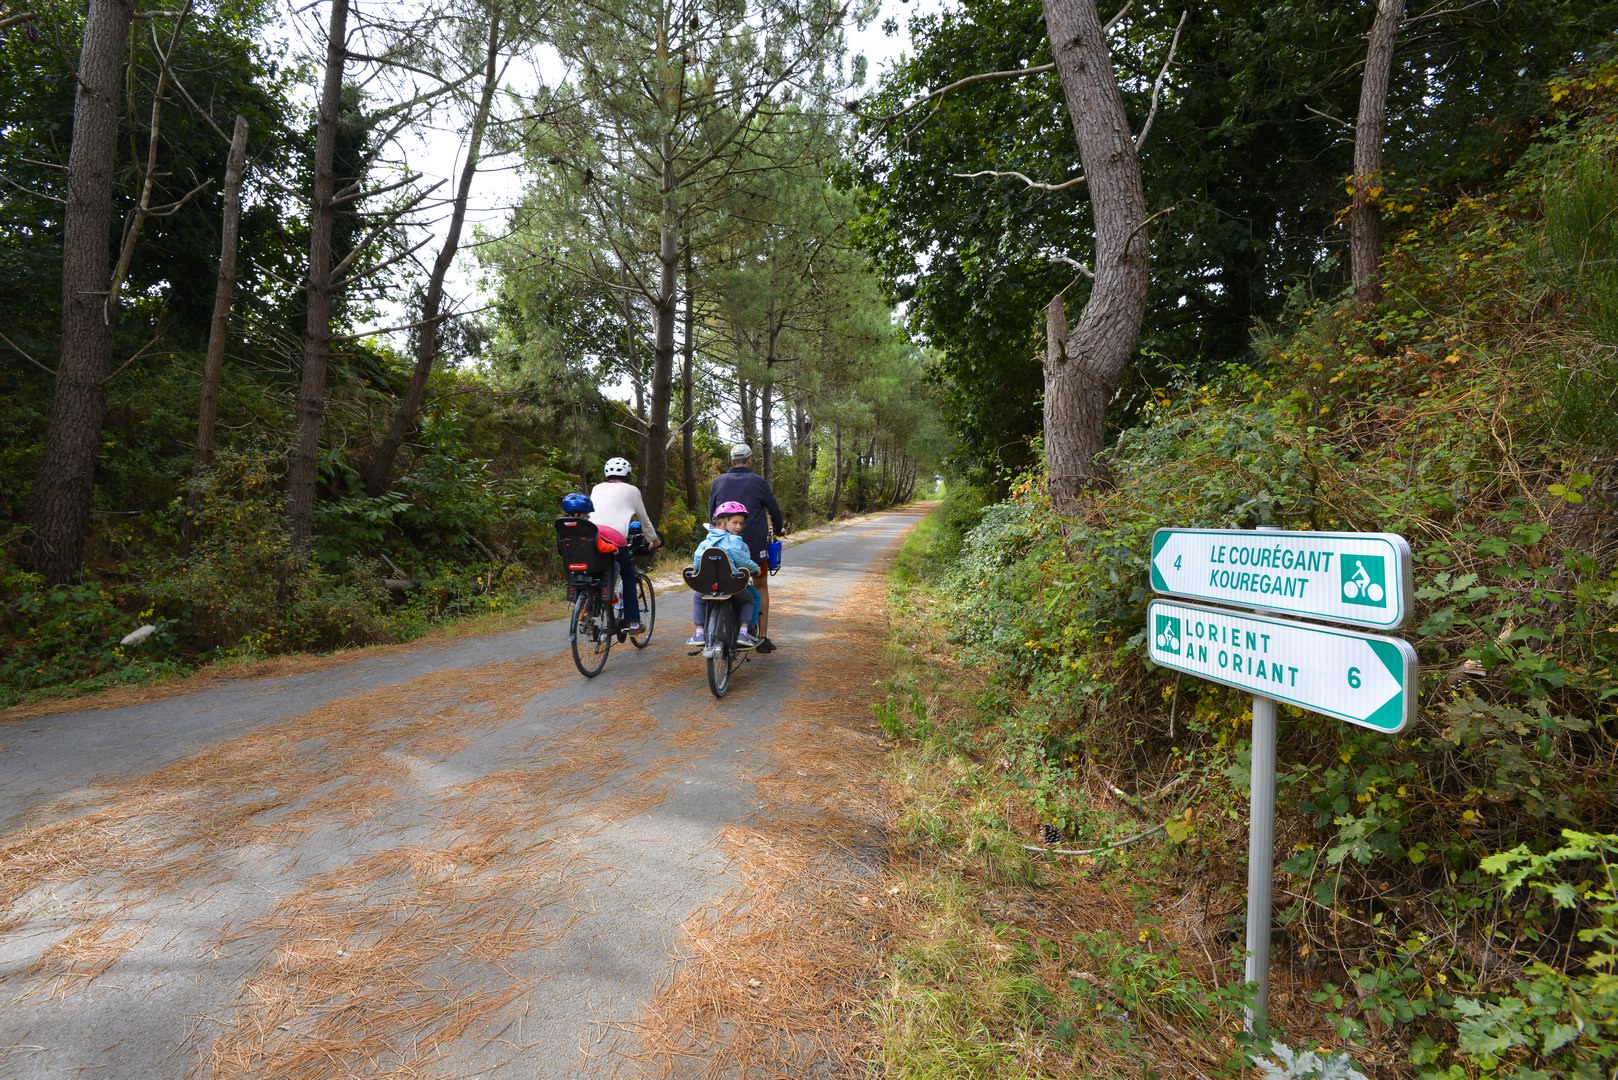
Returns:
<point x="670" y="96"/>
<point x="1244" y="170"/>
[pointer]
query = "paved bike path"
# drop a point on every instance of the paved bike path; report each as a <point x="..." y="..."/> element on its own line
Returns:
<point x="462" y="859"/>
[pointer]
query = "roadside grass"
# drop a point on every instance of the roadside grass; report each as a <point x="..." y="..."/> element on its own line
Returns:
<point x="1022" y="963"/>
<point x="143" y="679"/>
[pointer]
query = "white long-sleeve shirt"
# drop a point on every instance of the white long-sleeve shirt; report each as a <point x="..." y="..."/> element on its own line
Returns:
<point x="616" y="502"/>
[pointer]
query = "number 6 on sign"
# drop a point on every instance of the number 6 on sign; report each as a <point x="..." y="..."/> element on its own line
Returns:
<point x="1354" y="678"/>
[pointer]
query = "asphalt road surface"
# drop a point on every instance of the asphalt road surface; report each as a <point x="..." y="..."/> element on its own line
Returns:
<point x="462" y="859"/>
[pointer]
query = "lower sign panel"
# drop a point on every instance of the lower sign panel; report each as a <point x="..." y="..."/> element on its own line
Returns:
<point x="1362" y="678"/>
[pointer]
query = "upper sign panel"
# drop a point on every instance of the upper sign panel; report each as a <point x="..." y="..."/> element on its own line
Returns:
<point x="1357" y="578"/>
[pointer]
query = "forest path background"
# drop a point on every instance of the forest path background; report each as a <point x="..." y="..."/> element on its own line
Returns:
<point x="462" y="859"/>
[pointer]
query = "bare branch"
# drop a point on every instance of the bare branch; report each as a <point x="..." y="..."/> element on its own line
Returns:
<point x="12" y="20"/>
<point x="986" y="76"/>
<point x="23" y="353"/>
<point x="1157" y="87"/>
<point x="140" y="352"/>
<point x="170" y="209"/>
<point x="355" y="196"/>
<point x="1440" y="12"/>
<point x="25" y="189"/>
<point x="1075" y="264"/>
<point x="1138" y="229"/>
<point x="1328" y="116"/>
<point x="372" y="271"/>
<point x="381" y="227"/>
<point x="1035" y="184"/>
<point x="442" y="316"/>
<point x="143" y="207"/>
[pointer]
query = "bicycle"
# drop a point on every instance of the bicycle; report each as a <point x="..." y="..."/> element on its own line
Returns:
<point x="595" y="622"/>
<point x="721" y="586"/>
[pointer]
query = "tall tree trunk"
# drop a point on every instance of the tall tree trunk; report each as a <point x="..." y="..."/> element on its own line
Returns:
<point x="837" y="475"/>
<point x="637" y="372"/>
<point x="1075" y="411"/>
<point x="882" y="484"/>
<point x="688" y="410"/>
<point x="219" y="329"/>
<point x="1082" y="368"/>
<point x="224" y="292"/>
<point x="310" y="408"/>
<point x="1365" y="219"/>
<point x="655" y="468"/>
<point x="60" y="510"/>
<point x="747" y="402"/>
<point x="766" y="394"/>
<point x="806" y="450"/>
<point x="404" y="420"/>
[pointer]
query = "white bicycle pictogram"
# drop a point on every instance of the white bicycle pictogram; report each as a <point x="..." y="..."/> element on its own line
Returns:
<point x="1359" y="584"/>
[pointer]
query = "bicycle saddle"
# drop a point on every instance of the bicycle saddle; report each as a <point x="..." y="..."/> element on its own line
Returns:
<point x="715" y="576"/>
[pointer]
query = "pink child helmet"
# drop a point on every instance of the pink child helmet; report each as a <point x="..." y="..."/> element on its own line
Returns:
<point x="725" y="509"/>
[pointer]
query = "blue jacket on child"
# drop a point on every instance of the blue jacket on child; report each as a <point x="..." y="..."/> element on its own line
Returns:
<point x="732" y="545"/>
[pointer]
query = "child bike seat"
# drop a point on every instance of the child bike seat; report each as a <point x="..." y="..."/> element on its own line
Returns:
<point x="715" y="577"/>
<point x="576" y="544"/>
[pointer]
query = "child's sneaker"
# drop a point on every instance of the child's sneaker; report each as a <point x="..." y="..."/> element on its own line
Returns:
<point x="745" y="640"/>
<point x="635" y="629"/>
<point x="695" y="638"/>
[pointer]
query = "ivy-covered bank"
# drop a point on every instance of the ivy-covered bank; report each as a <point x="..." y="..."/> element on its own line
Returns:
<point x="1446" y="897"/>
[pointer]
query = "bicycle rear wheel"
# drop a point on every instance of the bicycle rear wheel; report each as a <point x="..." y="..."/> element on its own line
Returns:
<point x="590" y="643"/>
<point x="721" y="655"/>
<point x="648" y="610"/>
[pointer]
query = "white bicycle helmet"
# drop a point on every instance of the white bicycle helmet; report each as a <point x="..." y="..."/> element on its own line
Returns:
<point x="616" y="466"/>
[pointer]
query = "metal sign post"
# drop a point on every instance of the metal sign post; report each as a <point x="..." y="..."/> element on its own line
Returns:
<point x="1260" y="855"/>
<point x="1260" y="862"/>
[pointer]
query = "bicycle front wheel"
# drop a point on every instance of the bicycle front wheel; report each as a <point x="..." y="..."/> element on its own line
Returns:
<point x="590" y="643"/>
<point x="721" y="657"/>
<point x="648" y="610"/>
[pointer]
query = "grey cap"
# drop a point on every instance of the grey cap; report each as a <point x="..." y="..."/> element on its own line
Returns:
<point x="741" y="452"/>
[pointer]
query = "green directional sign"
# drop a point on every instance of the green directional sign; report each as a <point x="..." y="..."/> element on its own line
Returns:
<point x="1359" y="578"/>
<point x="1361" y="678"/>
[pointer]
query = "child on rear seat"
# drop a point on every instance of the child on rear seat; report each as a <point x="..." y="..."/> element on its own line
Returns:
<point x="729" y="519"/>
<point x="609" y="541"/>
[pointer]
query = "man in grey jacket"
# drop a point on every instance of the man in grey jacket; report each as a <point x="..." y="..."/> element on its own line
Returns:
<point x="747" y="487"/>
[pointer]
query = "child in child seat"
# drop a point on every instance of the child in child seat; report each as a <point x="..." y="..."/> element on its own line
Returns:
<point x="609" y="541"/>
<point x="726" y="534"/>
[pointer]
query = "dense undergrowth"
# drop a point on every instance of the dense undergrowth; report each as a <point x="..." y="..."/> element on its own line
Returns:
<point x="1445" y="897"/>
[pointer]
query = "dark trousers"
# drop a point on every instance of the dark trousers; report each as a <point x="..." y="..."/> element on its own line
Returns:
<point x="627" y="576"/>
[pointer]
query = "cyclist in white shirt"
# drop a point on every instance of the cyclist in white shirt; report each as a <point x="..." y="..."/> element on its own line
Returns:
<point x="617" y="502"/>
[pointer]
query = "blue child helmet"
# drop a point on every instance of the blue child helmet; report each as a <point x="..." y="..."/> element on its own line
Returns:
<point x="575" y="503"/>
